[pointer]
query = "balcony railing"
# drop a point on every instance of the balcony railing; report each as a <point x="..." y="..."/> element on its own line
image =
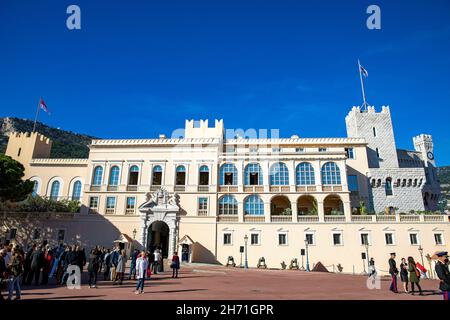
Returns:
<point x="228" y="218"/>
<point x="155" y="187"/>
<point x="281" y="218"/>
<point x="132" y="188"/>
<point x="110" y="210"/>
<point x="410" y="218"/>
<point x="112" y="188"/>
<point x="228" y="188"/>
<point x="250" y="218"/>
<point x="180" y="188"/>
<point x="380" y="218"/>
<point x="130" y="211"/>
<point x="435" y="218"/>
<point x="203" y="188"/>
<point x="280" y="188"/>
<point x="254" y="189"/>
<point x="308" y="218"/>
<point x="95" y="188"/>
<point x="305" y="188"/>
<point x="362" y="219"/>
<point x="334" y="218"/>
<point x="331" y="188"/>
<point x="203" y="212"/>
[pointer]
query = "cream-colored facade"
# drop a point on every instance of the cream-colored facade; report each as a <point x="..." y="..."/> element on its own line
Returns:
<point x="206" y="190"/>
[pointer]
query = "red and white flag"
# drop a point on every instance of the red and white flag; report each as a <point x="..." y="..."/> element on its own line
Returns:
<point x="43" y="106"/>
<point x="363" y="71"/>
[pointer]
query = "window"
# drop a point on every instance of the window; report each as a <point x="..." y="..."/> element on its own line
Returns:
<point x="12" y="233"/>
<point x="60" y="235"/>
<point x="180" y="179"/>
<point x="114" y="176"/>
<point x="18" y="153"/>
<point x="253" y="175"/>
<point x="413" y="239"/>
<point x="202" y="206"/>
<point x="76" y="192"/>
<point x="389" y="238"/>
<point x="322" y="149"/>
<point x="309" y="237"/>
<point x="331" y="173"/>
<point x="228" y="174"/>
<point x="228" y="205"/>
<point x="157" y="176"/>
<point x="93" y="202"/>
<point x="54" y="191"/>
<point x="203" y="176"/>
<point x="438" y="239"/>
<point x="304" y="174"/>
<point x="36" y="234"/>
<point x="131" y="203"/>
<point x="279" y="174"/>
<point x="254" y="205"/>
<point x="388" y="187"/>
<point x="133" y="176"/>
<point x="374" y="131"/>
<point x="98" y="175"/>
<point x="337" y="239"/>
<point x="365" y="239"/>
<point x="227" y="238"/>
<point x="254" y="239"/>
<point x="350" y="153"/>
<point x="353" y="183"/>
<point x="299" y="150"/>
<point x="35" y="188"/>
<point x="110" y="204"/>
<point x="282" y="239"/>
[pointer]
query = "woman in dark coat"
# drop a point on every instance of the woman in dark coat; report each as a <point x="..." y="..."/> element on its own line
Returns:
<point x="404" y="274"/>
<point x="93" y="267"/>
<point x="414" y="275"/>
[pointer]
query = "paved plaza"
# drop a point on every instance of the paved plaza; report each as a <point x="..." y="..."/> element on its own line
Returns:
<point x="199" y="282"/>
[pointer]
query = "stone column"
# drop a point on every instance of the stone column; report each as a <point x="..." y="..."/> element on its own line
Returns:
<point x="320" y="210"/>
<point x="241" y="210"/>
<point x="291" y="167"/>
<point x="294" y="210"/>
<point x="240" y="173"/>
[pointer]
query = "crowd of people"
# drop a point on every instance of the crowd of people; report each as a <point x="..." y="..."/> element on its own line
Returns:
<point x="34" y="265"/>
<point x="411" y="272"/>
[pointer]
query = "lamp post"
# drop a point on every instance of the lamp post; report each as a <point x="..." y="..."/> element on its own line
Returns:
<point x="421" y="255"/>
<point x="367" y="256"/>
<point x="246" y="260"/>
<point x="307" y="255"/>
<point x="134" y="237"/>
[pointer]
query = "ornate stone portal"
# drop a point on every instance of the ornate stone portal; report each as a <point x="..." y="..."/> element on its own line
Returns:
<point x="160" y="206"/>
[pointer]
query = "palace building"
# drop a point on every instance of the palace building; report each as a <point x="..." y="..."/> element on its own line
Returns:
<point x="206" y="192"/>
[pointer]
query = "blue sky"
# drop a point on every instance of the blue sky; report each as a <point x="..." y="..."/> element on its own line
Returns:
<point x="140" y="68"/>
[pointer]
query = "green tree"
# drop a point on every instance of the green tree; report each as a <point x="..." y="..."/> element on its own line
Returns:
<point x="12" y="187"/>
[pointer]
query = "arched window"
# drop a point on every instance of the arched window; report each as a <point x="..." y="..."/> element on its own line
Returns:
<point x="35" y="188"/>
<point x="180" y="179"/>
<point x="157" y="176"/>
<point x="331" y="173"/>
<point x="253" y="175"/>
<point x="388" y="187"/>
<point x="54" y="190"/>
<point x="203" y="179"/>
<point x="228" y="205"/>
<point x="228" y="174"/>
<point x="98" y="176"/>
<point x="76" y="191"/>
<point x="133" y="176"/>
<point x="114" y="176"/>
<point x="304" y="174"/>
<point x="254" y="205"/>
<point x="279" y="174"/>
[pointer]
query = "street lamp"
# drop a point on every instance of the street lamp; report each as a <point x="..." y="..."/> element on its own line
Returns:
<point x="307" y="255"/>
<point x="367" y="256"/>
<point x="421" y="254"/>
<point x="134" y="233"/>
<point x="246" y="261"/>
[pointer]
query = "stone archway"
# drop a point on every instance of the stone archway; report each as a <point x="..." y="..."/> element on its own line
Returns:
<point x="333" y="204"/>
<point x="161" y="209"/>
<point x="158" y="237"/>
<point x="280" y="205"/>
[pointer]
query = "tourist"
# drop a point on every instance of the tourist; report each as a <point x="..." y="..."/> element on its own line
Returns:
<point x="3" y="272"/>
<point x="141" y="271"/>
<point x="404" y="274"/>
<point x="443" y="272"/>
<point x="175" y="265"/>
<point x="27" y="264"/>
<point x="120" y="268"/>
<point x="37" y="261"/>
<point x="114" y="260"/>
<point x="134" y="257"/>
<point x="393" y="271"/>
<point x="81" y="258"/>
<point x="161" y="261"/>
<point x="414" y="275"/>
<point x="62" y="266"/>
<point x="93" y="267"/>
<point x="107" y="264"/>
<point x="16" y="269"/>
<point x="47" y="263"/>
<point x="185" y="254"/>
<point x="156" y="258"/>
<point x="70" y="260"/>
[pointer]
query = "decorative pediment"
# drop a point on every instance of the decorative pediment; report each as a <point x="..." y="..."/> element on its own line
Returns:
<point x="160" y="201"/>
<point x="186" y="240"/>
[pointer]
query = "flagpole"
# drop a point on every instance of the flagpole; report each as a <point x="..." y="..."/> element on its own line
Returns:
<point x="37" y="113"/>
<point x="362" y="86"/>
